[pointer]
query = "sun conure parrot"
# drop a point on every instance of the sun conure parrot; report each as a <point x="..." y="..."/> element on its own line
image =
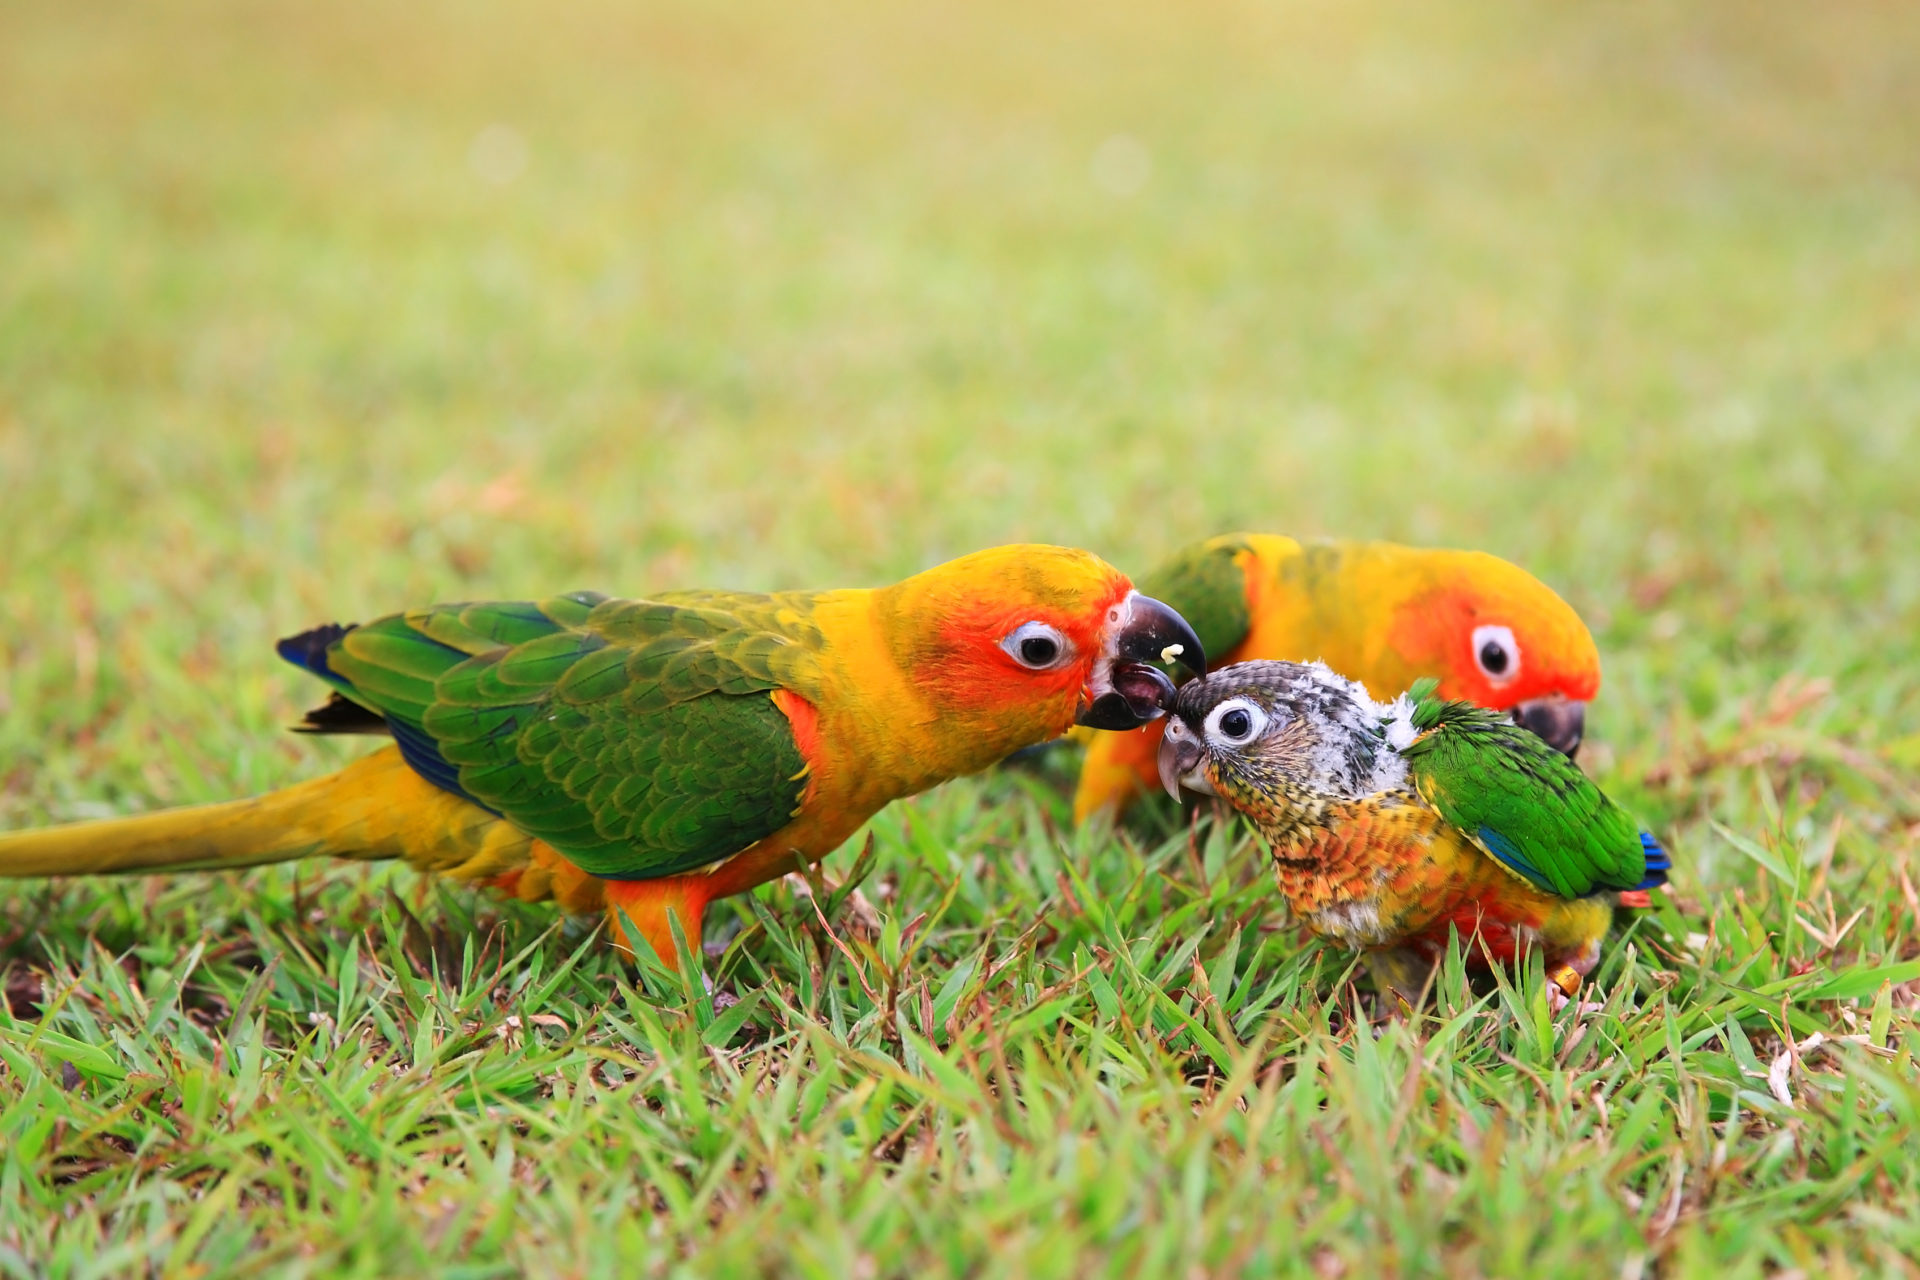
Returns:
<point x="1392" y="823"/>
<point x="649" y="755"/>
<point x="1384" y="614"/>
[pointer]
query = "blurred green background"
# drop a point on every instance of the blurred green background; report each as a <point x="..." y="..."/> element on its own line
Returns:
<point x="313" y="312"/>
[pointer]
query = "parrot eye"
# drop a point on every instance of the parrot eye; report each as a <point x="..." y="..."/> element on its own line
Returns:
<point x="1498" y="654"/>
<point x="1037" y="646"/>
<point x="1236" y="722"/>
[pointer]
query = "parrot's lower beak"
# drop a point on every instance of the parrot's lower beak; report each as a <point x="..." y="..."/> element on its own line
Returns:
<point x="1559" y="721"/>
<point x="1180" y="760"/>
<point x="1127" y="691"/>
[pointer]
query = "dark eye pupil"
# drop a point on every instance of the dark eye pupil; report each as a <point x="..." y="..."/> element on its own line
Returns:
<point x="1235" y="723"/>
<point x="1038" y="651"/>
<point x="1493" y="656"/>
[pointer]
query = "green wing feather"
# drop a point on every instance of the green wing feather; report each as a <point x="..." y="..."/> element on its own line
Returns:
<point x="1203" y="585"/>
<point x="638" y="737"/>
<point x="1527" y="805"/>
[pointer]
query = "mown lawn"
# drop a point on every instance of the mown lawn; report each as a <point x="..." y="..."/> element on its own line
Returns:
<point x="313" y="312"/>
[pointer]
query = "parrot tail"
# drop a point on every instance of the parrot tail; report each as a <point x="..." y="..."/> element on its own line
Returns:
<point x="376" y="807"/>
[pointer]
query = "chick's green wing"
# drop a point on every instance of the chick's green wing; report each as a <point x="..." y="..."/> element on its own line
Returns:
<point x="1523" y="802"/>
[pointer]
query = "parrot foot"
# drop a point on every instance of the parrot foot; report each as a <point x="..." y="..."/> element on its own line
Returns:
<point x="1563" y="984"/>
<point x="1403" y="976"/>
<point x="1557" y="1000"/>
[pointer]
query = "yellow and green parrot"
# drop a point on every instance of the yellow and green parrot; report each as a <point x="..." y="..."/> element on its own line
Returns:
<point x="1392" y="824"/>
<point x="647" y="756"/>
<point x="1384" y="614"/>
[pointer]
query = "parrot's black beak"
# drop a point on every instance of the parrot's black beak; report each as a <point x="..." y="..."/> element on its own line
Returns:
<point x="1179" y="756"/>
<point x="1153" y="632"/>
<point x="1130" y="692"/>
<point x="1558" y="720"/>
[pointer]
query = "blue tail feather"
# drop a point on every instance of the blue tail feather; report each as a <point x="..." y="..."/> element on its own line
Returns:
<point x="1658" y="863"/>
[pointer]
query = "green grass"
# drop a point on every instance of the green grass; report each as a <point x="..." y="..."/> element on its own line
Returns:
<point x="806" y="294"/>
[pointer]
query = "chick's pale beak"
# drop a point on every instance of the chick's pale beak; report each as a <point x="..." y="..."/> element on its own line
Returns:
<point x="1558" y="720"/>
<point x="1128" y="691"/>
<point x="1179" y="757"/>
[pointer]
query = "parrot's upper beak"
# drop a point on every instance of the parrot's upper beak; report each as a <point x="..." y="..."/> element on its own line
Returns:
<point x="1127" y="691"/>
<point x="1180" y="760"/>
<point x="1558" y="720"/>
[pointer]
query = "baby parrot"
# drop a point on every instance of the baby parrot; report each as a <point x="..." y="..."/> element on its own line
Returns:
<point x="1384" y="614"/>
<point x="646" y="756"/>
<point x="1392" y="823"/>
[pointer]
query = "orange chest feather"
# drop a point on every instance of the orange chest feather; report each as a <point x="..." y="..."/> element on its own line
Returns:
<point x="1373" y="874"/>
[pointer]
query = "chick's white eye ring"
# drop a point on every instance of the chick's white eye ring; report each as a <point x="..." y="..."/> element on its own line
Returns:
<point x="1230" y="713"/>
<point x="1496" y="652"/>
<point x="1037" y="646"/>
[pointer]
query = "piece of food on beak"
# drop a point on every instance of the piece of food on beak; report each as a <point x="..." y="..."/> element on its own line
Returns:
<point x="644" y="757"/>
<point x="1137" y="692"/>
<point x="1382" y="614"/>
<point x="1558" y="721"/>
<point x="1153" y="631"/>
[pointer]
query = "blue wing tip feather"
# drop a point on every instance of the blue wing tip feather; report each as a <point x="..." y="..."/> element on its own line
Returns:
<point x="308" y="650"/>
<point x="1658" y="863"/>
<point x="1509" y="853"/>
<point x="423" y="753"/>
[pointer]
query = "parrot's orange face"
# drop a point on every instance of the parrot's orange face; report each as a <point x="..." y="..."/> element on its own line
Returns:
<point x="1015" y="644"/>
<point x="1496" y="635"/>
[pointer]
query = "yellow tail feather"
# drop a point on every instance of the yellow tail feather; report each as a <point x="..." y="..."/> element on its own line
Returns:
<point x="376" y="807"/>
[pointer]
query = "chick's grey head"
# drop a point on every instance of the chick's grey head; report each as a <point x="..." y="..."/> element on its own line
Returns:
<point x="1254" y="726"/>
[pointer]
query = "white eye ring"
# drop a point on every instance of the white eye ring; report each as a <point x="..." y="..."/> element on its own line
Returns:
<point x="1038" y="647"/>
<point x="1496" y="653"/>
<point x="1248" y="718"/>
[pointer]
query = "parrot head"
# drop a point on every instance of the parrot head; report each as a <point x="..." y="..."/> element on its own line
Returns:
<point x="1015" y="644"/>
<point x="1265" y="734"/>
<point x="1495" y="635"/>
